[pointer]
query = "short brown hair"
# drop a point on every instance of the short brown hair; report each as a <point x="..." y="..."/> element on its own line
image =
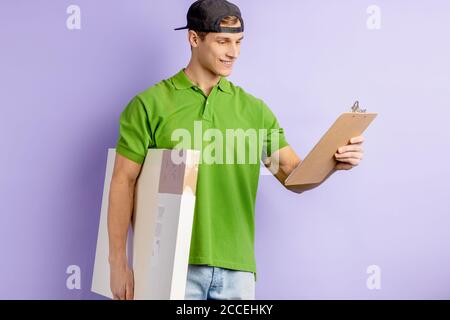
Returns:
<point x="225" y="22"/>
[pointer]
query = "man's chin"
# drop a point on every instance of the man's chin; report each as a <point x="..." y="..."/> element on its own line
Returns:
<point x="224" y="73"/>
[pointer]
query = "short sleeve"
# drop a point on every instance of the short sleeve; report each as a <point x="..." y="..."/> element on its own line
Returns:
<point x="274" y="139"/>
<point x="134" y="132"/>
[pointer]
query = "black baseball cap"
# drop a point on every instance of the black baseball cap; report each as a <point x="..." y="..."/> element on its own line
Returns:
<point x="206" y="15"/>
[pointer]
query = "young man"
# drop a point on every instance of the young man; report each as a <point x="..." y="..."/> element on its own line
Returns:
<point x="221" y="262"/>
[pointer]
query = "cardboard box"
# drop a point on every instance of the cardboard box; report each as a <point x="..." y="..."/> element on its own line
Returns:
<point x="160" y="235"/>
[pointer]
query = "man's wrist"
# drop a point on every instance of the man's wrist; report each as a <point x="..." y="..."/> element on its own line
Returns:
<point x="118" y="259"/>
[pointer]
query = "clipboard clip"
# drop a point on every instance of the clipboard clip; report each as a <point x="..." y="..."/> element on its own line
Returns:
<point x="355" y="107"/>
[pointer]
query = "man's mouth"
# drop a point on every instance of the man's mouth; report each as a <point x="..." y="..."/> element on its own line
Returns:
<point x="226" y="62"/>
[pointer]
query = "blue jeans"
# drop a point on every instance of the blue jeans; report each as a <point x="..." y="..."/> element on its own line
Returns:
<point x="214" y="283"/>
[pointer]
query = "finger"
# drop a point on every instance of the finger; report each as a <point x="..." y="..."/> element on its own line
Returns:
<point x="358" y="139"/>
<point x="348" y="155"/>
<point x="121" y="294"/>
<point x="129" y="291"/>
<point x="350" y="147"/>
<point x="351" y="161"/>
<point x="128" y="294"/>
<point x="117" y="297"/>
<point x="343" y="166"/>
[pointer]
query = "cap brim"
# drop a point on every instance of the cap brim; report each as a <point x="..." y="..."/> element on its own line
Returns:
<point x="181" y="28"/>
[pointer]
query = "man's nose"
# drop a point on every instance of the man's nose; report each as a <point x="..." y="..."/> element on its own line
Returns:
<point x="233" y="52"/>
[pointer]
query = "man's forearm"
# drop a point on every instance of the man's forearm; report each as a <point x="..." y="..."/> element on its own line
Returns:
<point x="121" y="202"/>
<point x="282" y="162"/>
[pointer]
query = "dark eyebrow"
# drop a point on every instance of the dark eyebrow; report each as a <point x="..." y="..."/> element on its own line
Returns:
<point x="228" y="39"/>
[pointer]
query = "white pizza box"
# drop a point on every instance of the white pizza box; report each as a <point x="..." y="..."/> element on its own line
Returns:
<point x="160" y="234"/>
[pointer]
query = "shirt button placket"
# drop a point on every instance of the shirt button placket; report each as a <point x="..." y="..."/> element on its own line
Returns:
<point x="207" y="110"/>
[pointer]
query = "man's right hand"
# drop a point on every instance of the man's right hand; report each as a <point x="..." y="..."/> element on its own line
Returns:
<point x="121" y="281"/>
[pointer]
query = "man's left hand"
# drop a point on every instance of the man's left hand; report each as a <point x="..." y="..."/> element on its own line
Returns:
<point x="349" y="156"/>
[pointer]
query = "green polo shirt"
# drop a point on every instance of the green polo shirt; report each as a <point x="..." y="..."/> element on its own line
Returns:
<point x="175" y="113"/>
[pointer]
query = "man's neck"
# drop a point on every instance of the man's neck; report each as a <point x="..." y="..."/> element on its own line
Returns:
<point x="204" y="79"/>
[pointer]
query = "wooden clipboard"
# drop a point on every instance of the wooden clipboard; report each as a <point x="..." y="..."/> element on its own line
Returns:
<point x="320" y="163"/>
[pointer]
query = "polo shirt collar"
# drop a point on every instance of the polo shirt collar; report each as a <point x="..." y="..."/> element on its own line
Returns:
<point x="181" y="81"/>
<point x="224" y="85"/>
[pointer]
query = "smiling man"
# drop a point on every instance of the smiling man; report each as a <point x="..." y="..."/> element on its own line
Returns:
<point x="221" y="262"/>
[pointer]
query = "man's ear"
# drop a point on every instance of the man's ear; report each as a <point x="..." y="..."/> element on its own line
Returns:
<point x="193" y="38"/>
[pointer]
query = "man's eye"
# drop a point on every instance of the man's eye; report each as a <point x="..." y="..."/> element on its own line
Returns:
<point x="222" y="42"/>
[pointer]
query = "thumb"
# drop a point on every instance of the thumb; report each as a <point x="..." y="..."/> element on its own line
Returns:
<point x="130" y="287"/>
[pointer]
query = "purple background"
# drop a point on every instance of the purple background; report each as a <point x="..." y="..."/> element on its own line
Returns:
<point x="61" y="93"/>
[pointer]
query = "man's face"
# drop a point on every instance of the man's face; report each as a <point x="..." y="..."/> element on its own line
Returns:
<point x="218" y="51"/>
